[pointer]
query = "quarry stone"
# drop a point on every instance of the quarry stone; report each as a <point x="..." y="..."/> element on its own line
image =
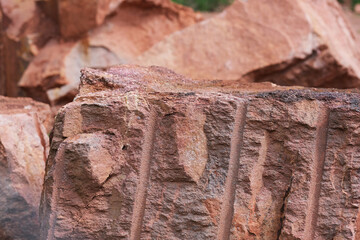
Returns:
<point x="156" y="155"/>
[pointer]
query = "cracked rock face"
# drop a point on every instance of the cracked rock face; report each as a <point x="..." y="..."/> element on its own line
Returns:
<point x="143" y="153"/>
<point x="24" y="146"/>
<point x="288" y="42"/>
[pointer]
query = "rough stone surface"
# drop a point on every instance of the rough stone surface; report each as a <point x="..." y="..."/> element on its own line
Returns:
<point x="53" y="76"/>
<point x="301" y="42"/>
<point x="24" y="146"/>
<point x="143" y="153"/>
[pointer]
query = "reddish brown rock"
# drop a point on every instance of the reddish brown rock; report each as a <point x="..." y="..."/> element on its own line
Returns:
<point x="24" y="30"/>
<point x="143" y="153"/>
<point x="2" y="63"/>
<point x="46" y="71"/>
<point x="24" y="22"/>
<point x="18" y="14"/>
<point x="53" y="76"/>
<point x="87" y="14"/>
<point x="302" y="42"/>
<point x="357" y="8"/>
<point x="24" y="147"/>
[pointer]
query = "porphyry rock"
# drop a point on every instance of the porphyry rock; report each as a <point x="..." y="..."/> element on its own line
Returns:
<point x="53" y="76"/>
<point x="24" y="147"/>
<point x="301" y="42"/>
<point x="144" y="153"/>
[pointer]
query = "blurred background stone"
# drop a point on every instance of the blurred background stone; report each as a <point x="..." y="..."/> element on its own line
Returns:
<point x="24" y="145"/>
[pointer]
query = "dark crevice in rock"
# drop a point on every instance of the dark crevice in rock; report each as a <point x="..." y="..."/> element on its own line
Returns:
<point x="283" y="207"/>
<point x="3" y="156"/>
<point x="112" y="175"/>
<point x="41" y="136"/>
<point x="306" y="71"/>
<point x="279" y="69"/>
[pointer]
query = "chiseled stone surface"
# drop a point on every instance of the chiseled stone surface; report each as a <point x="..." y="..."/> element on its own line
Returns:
<point x="288" y="42"/>
<point x="24" y="146"/>
<point x="143" y="153"/>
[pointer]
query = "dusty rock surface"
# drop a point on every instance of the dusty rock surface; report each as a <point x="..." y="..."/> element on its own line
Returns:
<point x="144" y="153"/>
<point x="53" y="76"/>
<point x="302" y="42"/>
<point x="24" y="146"/>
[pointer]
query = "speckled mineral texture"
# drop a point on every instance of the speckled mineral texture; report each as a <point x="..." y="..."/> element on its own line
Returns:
<point x="144" y="153"/>
<point x="24" y="146"/>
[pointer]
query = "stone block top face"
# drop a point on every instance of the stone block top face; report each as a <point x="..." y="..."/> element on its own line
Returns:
<point x="144" y="153"/>
<point x="159" y="80"/>
<point x="130" y="78"/>
<point x="23" y="105"/>
<point x="20" y="105"/>
<point x="154" y="79"/>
